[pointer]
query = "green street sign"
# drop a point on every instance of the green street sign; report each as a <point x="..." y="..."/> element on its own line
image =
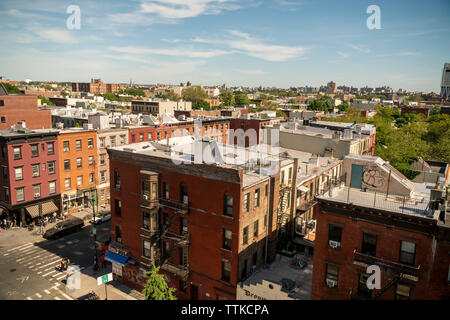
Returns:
<point x="105" y="278"/>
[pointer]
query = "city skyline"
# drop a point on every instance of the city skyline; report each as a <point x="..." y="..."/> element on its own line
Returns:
<point x="269" y="43"/>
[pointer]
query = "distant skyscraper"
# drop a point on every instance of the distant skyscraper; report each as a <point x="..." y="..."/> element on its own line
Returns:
<point x="331" y="87"/>
<point x="445" y="84"/>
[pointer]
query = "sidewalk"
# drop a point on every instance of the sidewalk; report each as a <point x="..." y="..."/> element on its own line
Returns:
<point x="89" y="283"/>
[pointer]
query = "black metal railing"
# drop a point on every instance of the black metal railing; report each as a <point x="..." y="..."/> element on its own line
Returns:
<point x="179" y="206"/>
<point x="398" y="267"/>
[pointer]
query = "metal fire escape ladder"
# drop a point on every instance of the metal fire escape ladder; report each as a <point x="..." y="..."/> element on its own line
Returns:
<point x="386" y="287"/>
<point x="282" y="215"/>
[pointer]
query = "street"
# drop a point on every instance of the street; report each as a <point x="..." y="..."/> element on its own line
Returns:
<point x="27" y="269"/>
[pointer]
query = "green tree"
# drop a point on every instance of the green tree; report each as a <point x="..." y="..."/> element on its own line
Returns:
<point x="156" y="287"/>
<point x="110" y="96"/>
<point x="241" y="99"/>
<point x="11" y="88"/>
<point x="194" y="94"/>
<point x="46" y="101"/>
<point x="201" y="104"/>
<point x="227" y="98"/>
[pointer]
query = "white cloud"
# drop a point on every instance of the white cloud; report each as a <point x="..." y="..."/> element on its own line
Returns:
<point x="362" y="49"/>
<point x="250" y="71"/>
<point x="176" y="52"/>
<point x="343" y="54"/>
<point x="253" y="47"/>
<point x="179" y="9"/>
<point x="56" y="35"/>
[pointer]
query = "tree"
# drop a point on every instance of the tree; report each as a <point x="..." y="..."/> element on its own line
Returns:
<point x="172" y="96"/>
<point x="343" y="106"/>
<point x="194" y="94"/>
<point x="46" y="101"/>
<point x="156" y="287"/>
<point x="241" y="99"/>
<point x="201" y="104"/>
<point x="227" y="98"/>
<point x="11" y="89"/>
<point x="110" y="96"/>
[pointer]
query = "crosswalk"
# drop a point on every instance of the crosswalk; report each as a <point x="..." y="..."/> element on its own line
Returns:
<point x="44" y="264"/>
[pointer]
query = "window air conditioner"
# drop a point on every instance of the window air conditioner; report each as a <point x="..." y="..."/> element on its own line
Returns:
<point x="334" y="244"/>
<point x="331" y="283"/>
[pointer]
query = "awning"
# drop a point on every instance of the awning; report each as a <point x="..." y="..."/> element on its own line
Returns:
<point x="114" y="257"/>
<point x="47" y="208"/>
<point x="303" y="189"/>
<point x="33" y="210"/>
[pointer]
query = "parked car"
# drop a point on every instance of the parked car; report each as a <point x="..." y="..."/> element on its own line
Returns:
<point x="101" y="218"/>
<point x="63" y="228"/>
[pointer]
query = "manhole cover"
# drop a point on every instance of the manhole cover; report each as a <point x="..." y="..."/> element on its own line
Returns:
<point x="12" y="270"/>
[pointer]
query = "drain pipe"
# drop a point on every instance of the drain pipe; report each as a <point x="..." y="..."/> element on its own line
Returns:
<point x="267" y="226"/>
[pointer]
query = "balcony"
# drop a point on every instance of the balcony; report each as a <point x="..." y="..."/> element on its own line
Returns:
<point x="178" y="270"/>
<point x="180" y="240"/>
<point x="148" y="233"/>
<point x="178" y="206"/>
<point x="306" y="205"/>
<point x="408" y="272"/>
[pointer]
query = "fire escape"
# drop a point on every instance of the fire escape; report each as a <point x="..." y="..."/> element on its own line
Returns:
<point x="399" y="271"/>
<point x="178" y="241"/>
<point x="283" y="206"/>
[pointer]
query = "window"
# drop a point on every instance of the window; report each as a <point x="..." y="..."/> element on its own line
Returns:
<point x="91" y="178"/>
<point x="369" y="245"/>
<point x="147" y="249"/>
<point x="154" y="191"/>
<point x="102" y="142"/>
<point x="113" y="141"/>
<point x="363" y="290"/>
<point x="78" y="145"/>
<point x="20" y="194"/>
<point x="67" y="183"/>
<point x="226" y="239"/>
<point x="133" y="138"/>
<point x="91" y="161"/>
<point x="19" y="173"/>
<point x="103" y="176"/>
<point x="118" y="207"/>
<point x="116" y="179"/>
<point x="52" y="187"/>
<point x="35" y="170"/>
<point x="122" y="139"/>
<point x="255" y="228"/>
<point x="228" y="206"/>
<point x="246" y="202"/>
<point x="79" y="162"/>
<point x="102" y="159"/>
<point x="282" y="177"/>
<point x="79" y="181"/>
<point x="50" y="148"/>
<point x="407" y="252"/>
<point x="51" y="167"/>
<point x="34" y="150"/>
<point x="17" y="153"/>
<point x="141" y="137"/>
<point x="402" y="292"/>
<point x="2" y="103"/>
<point x="37" y="190"/>
<point x="118" y="234"/>
<point x="184" y="194"/>
<point x="245" y="236"/>
<point x="290" y="175"/>
<point x="334" y="235"/>
<point x="226" y="269"/>
<point x="90" y="143"/>
<point x="154" y="221"/>
<point x="66" y="146"/>
<point x="332" y="273"/>
<point x="166" y="190"/>
<point x="146" y="220"/>
<point x="267" y="190"/>
<point x="6" y="194"/>
<point x="102" y="195"/>
<point x="5" y="173"/>
<point x="257" y="198"/>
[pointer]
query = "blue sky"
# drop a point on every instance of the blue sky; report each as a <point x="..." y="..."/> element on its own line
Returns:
<point x="254" y="42"/>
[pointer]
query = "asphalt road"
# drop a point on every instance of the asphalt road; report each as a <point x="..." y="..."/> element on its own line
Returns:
<point x="27" y="270"/>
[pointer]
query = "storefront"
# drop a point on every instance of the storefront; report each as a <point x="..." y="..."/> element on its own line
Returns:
<point x="118" y="255"/>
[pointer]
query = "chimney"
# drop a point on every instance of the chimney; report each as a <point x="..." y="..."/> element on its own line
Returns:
<point x="21" y="125"/>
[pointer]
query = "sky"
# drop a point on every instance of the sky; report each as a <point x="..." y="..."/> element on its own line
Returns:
<point x="279" y="43"/>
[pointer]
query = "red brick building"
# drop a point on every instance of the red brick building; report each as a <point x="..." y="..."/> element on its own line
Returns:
<point x="426" y="111"/>
<point x="29" y="179"/>
<point x="247" y="125"/>
<point x="18" y="107"/>
<point x="403" y="237"/>
<point x="207" y="226"/>
<point x="217" y="128"/>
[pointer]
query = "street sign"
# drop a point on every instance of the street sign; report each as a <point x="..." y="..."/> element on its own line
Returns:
<point x="105" y="278"/>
